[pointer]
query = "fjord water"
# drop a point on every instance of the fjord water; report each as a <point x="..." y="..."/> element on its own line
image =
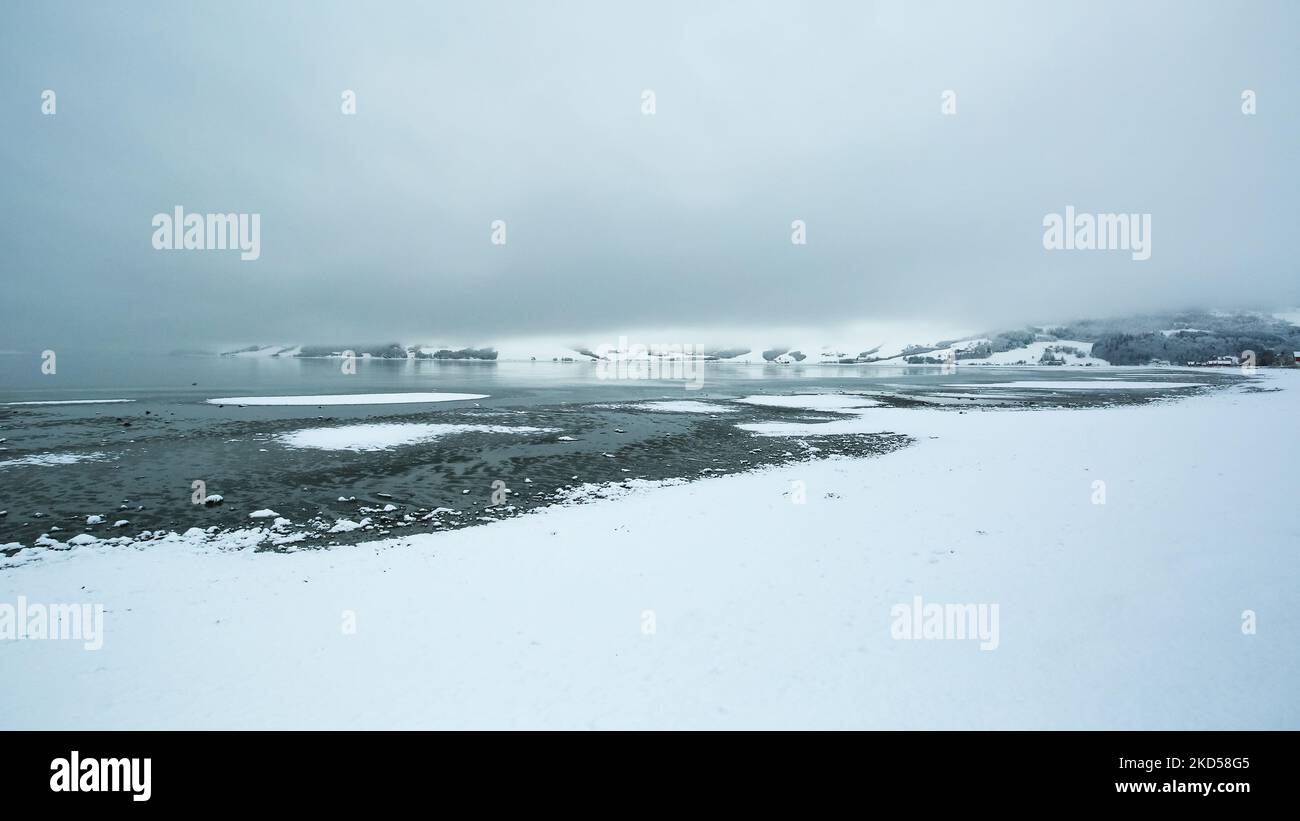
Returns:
<point x="185" y="379"/>
<point x="135" y="462"/>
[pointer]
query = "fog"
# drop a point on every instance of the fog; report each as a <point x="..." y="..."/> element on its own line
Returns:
<point x="378" y="225"/>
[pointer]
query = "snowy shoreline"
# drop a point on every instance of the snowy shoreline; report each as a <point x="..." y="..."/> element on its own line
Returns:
<point x="765" y="613"/>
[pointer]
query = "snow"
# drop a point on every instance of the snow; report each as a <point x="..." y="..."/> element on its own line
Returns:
<point x="268" y="351"/>
<point x="72" y="402"/>
<point x="1033" y="352"/>
<point x="723" y="604"/>
<point x="683" y="406"/>
<point x="49" y="459"/>
<point x="348" y="399"/>
<point x="1084" y="385"/>
<point x="382" y="436"/>
<point x="896" y="354"/>
<point x="863" y="423"/>
<point x="836" y="402"/>
<point x="820" y="344"/>
<point x="265" y="513"/>
<point x="347" y="525"/>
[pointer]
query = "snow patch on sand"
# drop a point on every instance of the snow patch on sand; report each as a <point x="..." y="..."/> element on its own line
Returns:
<point x="382" y="436"/>
<point x="1084" y="385"/>
<point x="49" y="459"/>
<point x="347" y="399"/>
<point x="834" y="402"/>
<point x="683" y="406"/>
<point x="71" y="402"/>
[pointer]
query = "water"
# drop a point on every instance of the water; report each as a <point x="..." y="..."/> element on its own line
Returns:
<point x="139" y="460"/>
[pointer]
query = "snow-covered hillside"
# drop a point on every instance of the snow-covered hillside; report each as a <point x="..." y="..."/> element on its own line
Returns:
<point x="1062" y="351"/>
<point x="883" y="343"/>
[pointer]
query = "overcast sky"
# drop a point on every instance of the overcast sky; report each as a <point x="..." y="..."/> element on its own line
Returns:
<point x="377" y="226"/>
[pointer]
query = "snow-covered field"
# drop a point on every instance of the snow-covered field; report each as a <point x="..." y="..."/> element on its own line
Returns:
<point x="724" y="603"/>
<point x="1033" y="352"/>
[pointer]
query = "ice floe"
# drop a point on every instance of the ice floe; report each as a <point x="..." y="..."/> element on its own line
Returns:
<point x="1082" y="385"/>
<point x="683" y="406"/>
<point x="834" y="402"/>
<point x="382" y="436"/>
<point x="347" y="399"/>
<point x="48" y="459"/>
<point x="70" y="402"/>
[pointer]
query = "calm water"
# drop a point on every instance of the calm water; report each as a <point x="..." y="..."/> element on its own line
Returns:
<point x="95" y="375"/>
<point x="137" y="461"/>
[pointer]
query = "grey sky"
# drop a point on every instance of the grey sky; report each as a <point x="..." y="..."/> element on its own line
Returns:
<point x="375" y="227"/>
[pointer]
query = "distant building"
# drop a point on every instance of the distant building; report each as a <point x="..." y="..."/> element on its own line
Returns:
<point x="1218" y="362"/>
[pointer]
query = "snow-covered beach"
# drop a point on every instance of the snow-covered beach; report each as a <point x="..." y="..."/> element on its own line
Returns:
<point x="370" y="371"/>
<point x="727" y="603"/>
